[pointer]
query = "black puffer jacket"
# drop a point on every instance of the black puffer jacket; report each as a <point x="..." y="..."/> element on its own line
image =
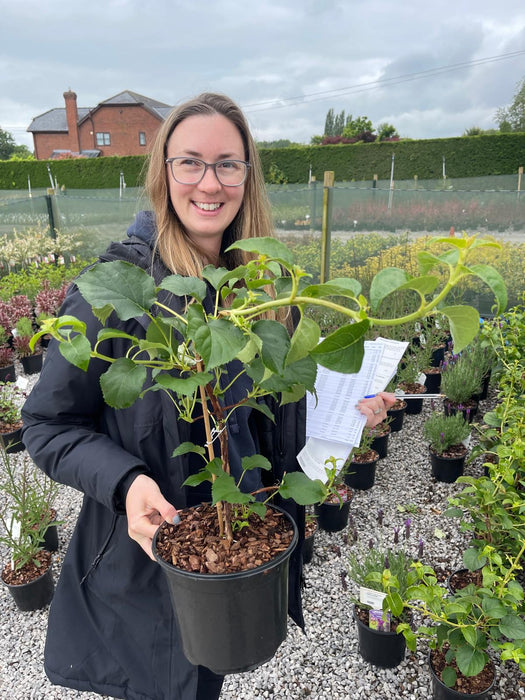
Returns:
<point x="111" y="628"/>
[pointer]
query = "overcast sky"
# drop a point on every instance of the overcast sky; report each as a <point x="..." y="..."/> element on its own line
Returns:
<point x="432" y="69"/>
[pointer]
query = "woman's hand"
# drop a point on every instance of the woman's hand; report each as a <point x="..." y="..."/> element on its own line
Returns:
<point x="375" y="407"/>
<point x="146" y="509"/>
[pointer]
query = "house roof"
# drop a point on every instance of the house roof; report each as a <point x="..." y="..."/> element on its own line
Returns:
<point x="55" y="119"/>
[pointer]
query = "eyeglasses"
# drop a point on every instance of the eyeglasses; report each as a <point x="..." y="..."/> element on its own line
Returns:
<point x="190" y="171"/>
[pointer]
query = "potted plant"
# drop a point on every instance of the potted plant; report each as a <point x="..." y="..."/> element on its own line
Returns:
<point x="30" y="357"/>
<point x="7" y="358"/>
<point x="465" y="624"/>
<point x="380" y="571"/>
<point x="26" y="516"/>
<point x="380" y="434"/>
<point x="184" y="355"/>
<point x="360" y="468"/>
<point x="333" y="509"/>
<point x="460" y="380"/>
<point x="411" y="380"/>
<point x="11" y="399"/>
<point x="447" y="435"/>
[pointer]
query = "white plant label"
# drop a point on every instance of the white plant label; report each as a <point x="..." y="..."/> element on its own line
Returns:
<point x="368" y="596"/>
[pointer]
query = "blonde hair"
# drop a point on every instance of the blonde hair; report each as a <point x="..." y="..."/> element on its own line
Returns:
<point x="253" y="219"/>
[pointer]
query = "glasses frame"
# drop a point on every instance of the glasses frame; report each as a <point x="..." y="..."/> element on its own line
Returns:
<point x="169" y="161"/>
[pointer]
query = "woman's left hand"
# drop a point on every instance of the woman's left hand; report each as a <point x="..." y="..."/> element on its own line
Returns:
<point x="375" y="407"/>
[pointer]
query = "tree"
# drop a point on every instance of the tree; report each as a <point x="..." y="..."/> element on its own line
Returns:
<point x="21" y="152"/>
<point x="356" y="126"/>
<point x="386" y="131"/>
<point x="339" y="124"/>
<point x="512" y="118"/>
<point x="329" y="123"/>
<point x="7" y="144"/>
<point x="334" y="123"/>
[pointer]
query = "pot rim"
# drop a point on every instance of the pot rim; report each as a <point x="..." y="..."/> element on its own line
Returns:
<point x="247" y="573"/>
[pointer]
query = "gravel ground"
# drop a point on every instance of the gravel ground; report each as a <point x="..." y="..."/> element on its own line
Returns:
<point x="323" y="662"/>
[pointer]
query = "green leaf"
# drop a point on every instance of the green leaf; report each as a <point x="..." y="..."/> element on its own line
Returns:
<point x="110" y="333"/>
<point x="343" y="350"/>
<point x="184" y="286"/>
<point x="513" y="627"/>
<point x="219" y="276"/>
<point x="472" y="557"/>
<point x="303" y="490"/>
<point x="197" y="479"/>
<point x="128" y="289"/>
<point x="395" y="603"/>
<point x="77" y="351"/>
<point x="183" y="386"/>
<point x="275" y="344"/>
<point x="260" y="406"/>
<point x="268" y="246"/>
<point x="449" y="676"/>
<point x="293" y="395"/>
<point x="304" y="339"/>
<point x="224" y="488"/>
<point x="339" y="287"/>
<point x="259" y="509"/>
<point x="218" y="342"/>
<point x="492" y="607"/>
<point x="464" y="324"/>
<point x="424" y="285"/>
<point x="255" y="462"/>
<point x="470" y="661"/>
<point x="385" y="282"/>
<point x="122" y="383"/>
<point x="186" y="447"/>
<point x="494" y="280"/>
<point x="469" y="633"/>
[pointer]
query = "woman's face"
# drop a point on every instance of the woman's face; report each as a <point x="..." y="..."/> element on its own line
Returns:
<point x="207" y="208"/>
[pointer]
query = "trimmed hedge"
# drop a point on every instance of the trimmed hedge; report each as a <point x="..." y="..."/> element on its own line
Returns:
<point x="465" y="156"/>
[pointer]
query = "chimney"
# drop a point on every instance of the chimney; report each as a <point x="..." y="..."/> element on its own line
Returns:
<point x="70" y="98"/>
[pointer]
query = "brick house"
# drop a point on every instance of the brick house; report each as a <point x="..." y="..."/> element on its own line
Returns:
<point x="123" y="125"/>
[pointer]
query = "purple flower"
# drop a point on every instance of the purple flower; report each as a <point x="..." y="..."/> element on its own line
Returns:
<point x="387" y="563"/>
<point x="396" y="535"/>
<point x="371" y="543"/>
<point x="407" y="528"/>
<point x="420" y="548"/>
<point x="380" y="514"/>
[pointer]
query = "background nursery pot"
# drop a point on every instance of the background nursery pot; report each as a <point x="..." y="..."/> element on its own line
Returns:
<point x="397" y="414"/>
<point x="383" y="649"/>
<point x="362" y="473"/>
<point x="36" y="593"/>
<point x="448" y="468"/>
<point x="332" y="515"/>
<point x="231" y="622"/>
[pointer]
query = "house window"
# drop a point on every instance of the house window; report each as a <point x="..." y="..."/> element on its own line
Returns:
<point x="142" y="138"/>
<point x="103" y="138"/>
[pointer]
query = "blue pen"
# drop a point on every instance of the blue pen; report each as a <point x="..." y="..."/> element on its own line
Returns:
<point x="370" y="396"/>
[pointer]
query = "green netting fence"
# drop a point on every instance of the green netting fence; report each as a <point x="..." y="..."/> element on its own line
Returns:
<point x="487" y="204"/>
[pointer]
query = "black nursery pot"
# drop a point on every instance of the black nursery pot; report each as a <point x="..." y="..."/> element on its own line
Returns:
<point x="383" y="649"/>
<point x="362" y="475"/>
<point x="332" y="517"/>
<point x="433" y="382"/>
<point x="51" y="539"/>
<point x="12" y="441"/>
<point x="380" y="444"/>
<point x="414" y="406"/>
<point x="397" y="415"/>
<point x="32" y="364"/>
<point x="446" y="469"/>
<point x="8" y="374"/>
<point x="231" y="622"/>
<point x="308" y="549"/>
<point x="34" y="595"/>
<point x="440" y="691"/>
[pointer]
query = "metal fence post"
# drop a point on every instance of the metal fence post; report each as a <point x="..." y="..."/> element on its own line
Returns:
<point x="313" y="203"/>
<point x="328" y="190"/>
<point x="51" y="211"/>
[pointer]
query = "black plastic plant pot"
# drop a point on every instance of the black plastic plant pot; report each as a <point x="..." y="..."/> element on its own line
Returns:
<point x="308" y="549"/>
<point x="51" y="539"/>
<point x="361" y="475"/>
<point x="414" y="406"/>
<point x="8" y="374"/>
<point x="442" y="692"/>
<point x="380" y="445"/>
<point x="32" y="364"/>
<point x="383" y="649"/>
<point x="34" y="595"/>
<point x="397" y="415"/>
<point x="332" y="517"/>
<point x="433" y="382"/>
<point x="438" y="356"/>
<point x="447" y="469"/>
<point x="12" y="441"/>
<point x="235" y="622"/>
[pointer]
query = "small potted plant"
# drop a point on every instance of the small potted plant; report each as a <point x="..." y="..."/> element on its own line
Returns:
<point x="7" y="359"/>
<point x="30" y="356"/>
<point x="11" y="400"/>
<point x="447" y="436"/>
<point x="380" y="434"/>
<point x="379" y="572"/>
<point x="27" y="515"/>
<point x="460" y="381"/>
<point x="333" y="509"/>
<point x="410" y="378"/>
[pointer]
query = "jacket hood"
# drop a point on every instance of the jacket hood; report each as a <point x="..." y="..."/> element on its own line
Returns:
<point x="143" y="227"/>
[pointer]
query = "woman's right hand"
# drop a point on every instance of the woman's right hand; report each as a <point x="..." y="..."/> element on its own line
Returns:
<point x="146" y="509"/>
